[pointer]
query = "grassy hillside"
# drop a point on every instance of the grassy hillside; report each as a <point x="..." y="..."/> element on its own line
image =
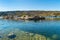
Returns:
<point x="31" y="13"/>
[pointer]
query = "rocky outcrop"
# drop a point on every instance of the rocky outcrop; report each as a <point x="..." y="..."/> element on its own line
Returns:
<point x="37" y="18"/>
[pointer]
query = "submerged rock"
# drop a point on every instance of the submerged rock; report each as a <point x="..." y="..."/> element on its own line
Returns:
<point x="0" y="36"/>
<point x="11" y="35"/>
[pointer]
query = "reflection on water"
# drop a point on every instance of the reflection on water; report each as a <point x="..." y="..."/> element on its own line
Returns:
<point x="29" y="30"/>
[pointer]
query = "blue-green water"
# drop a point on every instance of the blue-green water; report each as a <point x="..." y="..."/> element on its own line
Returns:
<point x="46" y="28"/>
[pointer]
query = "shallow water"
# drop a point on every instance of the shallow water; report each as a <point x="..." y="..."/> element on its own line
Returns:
<point x="47" y="28"/>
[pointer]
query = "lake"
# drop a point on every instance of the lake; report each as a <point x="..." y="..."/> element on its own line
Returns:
<point x="46" y="28"/>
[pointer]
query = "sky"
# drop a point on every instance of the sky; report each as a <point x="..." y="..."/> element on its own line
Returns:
<point x="11" y="5"/>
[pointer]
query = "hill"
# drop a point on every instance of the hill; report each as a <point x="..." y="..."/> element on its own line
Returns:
<point x="30" y="13"/>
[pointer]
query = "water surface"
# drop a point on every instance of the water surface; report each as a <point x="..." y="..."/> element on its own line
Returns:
<point x="46" y="28"/>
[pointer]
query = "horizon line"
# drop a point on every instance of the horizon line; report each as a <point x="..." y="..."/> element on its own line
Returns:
<point x="27" y="10"/>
